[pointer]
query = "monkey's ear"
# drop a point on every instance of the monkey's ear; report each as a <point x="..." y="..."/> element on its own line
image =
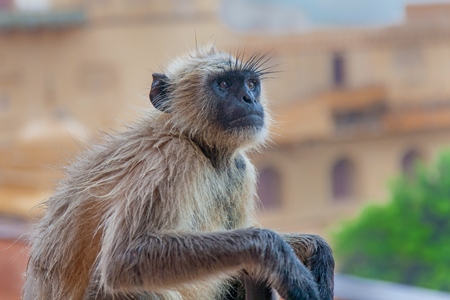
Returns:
<point x="158" y="92"/>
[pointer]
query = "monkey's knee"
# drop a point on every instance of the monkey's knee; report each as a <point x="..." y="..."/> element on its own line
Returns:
<point x="317" y="256"/>
<point x="321" y="263"/>
<point x="321" y="254"/>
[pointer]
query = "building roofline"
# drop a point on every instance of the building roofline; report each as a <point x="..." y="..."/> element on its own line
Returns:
<point x="55" y="19"/>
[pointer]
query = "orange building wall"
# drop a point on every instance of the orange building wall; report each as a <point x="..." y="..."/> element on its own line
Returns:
<point x="13" y="261"/>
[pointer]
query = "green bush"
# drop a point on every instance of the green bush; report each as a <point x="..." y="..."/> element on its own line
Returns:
<point x="408" y="239"/>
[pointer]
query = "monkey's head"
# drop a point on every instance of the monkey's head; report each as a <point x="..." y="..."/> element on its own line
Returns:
<point x="214" y="98"/>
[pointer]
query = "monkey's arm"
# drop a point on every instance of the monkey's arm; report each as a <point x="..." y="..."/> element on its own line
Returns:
<point x="314" y="252"/>
<point x="161" y="261"/>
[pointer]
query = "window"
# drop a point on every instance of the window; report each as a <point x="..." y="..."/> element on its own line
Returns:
<point x="269" y="188"/>
<point x="342" y="178"/>
<point x="338" y="69"/>
<point x="409" y="161"/>
<point x="363" y="120"/>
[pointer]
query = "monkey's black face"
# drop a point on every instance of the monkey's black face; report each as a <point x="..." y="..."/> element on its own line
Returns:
<point x="237" y="100"/>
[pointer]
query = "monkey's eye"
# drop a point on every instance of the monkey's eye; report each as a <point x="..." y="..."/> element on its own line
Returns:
<point x="251" y="84"/>
<point x="223" y="84"/>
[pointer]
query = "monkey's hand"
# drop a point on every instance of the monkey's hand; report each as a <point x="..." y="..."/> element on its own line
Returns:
<point x="316" y="255"/>
<point x="278" y="265"/>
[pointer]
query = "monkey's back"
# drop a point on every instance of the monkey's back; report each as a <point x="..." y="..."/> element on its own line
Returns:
<point x="144" y="180"/>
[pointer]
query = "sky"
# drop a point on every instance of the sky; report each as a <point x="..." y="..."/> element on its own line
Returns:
<point x="303" y="15"/>
<point x="351" y="12"/>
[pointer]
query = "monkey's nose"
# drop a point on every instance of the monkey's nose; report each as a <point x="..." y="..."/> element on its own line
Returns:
<point x="247" y="99"/>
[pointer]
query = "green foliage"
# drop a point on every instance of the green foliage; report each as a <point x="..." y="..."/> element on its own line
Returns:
<point x="408" y="239"/>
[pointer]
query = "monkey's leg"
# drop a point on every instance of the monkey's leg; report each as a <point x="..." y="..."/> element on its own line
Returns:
<point x="235" y="289"/>
<point x="163" y="261"/>
<point x="314" y="252"/>
<point x="247" y="288"/>
<point x="255" y="290"/>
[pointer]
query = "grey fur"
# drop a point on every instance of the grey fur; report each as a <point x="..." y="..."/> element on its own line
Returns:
<point x="146" y="215"/>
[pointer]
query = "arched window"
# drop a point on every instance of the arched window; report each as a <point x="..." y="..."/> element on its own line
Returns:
<point x="343" y="179"/>
<point x="338" y="66"/>
<point x="409" y="161"/>
<point x="269" y="188"/>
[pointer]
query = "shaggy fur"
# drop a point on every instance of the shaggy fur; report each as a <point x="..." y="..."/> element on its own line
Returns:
<point x="147" y="215"/>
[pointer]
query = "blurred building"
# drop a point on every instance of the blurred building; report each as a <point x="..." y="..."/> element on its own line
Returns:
<point x="352" y="107"/>
<point x="356" y="108"/>
<point x="359" y="107"/>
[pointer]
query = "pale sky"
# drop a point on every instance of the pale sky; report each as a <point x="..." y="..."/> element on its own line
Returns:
<point x="351" y="12"/>
<point x="304" y="15"/>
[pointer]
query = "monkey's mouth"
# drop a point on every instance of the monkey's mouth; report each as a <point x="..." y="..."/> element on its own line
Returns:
<point x="253" y="120"/>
